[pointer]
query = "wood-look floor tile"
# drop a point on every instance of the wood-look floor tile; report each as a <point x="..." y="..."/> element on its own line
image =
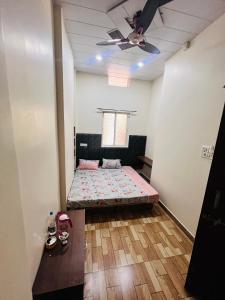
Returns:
<point x="156" y="227"/>
<point x="161" y="251"/>
<point x="158" y="267"/>
<point x="104" y="246"/>
<point x="176" y="244"/>
<point x="129" y="293"/>
<point x="168" y="288"/>
<point x="153" y="252"/>
<point x="108" y="254"/>
<point x="140" y="251"/>
<point x="114" y="293"/>
<point x="98" y="238"/>
<point x="152" y="275"/>
<point x="93" y="238"/>
<point x="132" y="233"/>
<point x="129" y="250"/>
<point x="143" y="292"/>
<point x="99" y="286"/>
<point x="105" y="232"/>
<point x="103" y="224"/>
<point x="187" y="257"/>
<point x="181" y="263"/>
<point x="97" y="259"/>
<point x="153" y="237"/>
<point x="112" y="278"/>
<point x="133" y="255"/>
<point x="123" y="231"/>
<point x="88" y="237"/>
<point x="143" y="238"/>
<point x="120" y="257"/>
<point x="166" y="227"/>
<point x="184" y="276"/>
<point x="88" y="261"/>
<point x="158" y="296"/>
<point x="88" y="285"/>
<point x="142" y="276"/>
<point x="187" y="245"/>
<point x="139" y="228"/>
<point x="146" y="220"/>
<point x="175" y="277"/>
<point x="172" y="250"/>
<point x="177" y="234"/>
<point x="116" y="240"/>
<point x="127" y="276"/>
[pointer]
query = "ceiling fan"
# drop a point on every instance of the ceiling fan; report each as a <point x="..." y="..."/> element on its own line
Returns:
<point x="139" y="23"/>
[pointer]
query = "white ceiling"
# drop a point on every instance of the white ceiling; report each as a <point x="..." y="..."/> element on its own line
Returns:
<point x="88" y="22"/>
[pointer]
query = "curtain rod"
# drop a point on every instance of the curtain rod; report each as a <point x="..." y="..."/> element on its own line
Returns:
<point x="129" y="112"/>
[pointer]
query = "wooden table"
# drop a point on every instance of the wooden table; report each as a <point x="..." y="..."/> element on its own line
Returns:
<point x="146" y="169"/>
<point x="61" y="271"/>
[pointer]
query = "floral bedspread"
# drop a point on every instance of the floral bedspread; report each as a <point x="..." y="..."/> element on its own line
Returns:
<point x="108" y="187"/>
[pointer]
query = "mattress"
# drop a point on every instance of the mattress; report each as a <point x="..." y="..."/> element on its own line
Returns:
<point x="109" y="187"/>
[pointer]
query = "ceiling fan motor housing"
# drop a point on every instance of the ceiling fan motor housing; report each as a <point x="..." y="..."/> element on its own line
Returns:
<point x="135" y="38"/>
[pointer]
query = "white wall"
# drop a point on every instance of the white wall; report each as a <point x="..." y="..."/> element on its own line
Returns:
<point x="27" y="32"/>
<point x="188" y="117"/>
<point x="75" y="100"/>
<point x="93" y="91"/>
<point x="153" y="116"/>
<point x="14" y="275"/>
<point x="69" y="107"/>
<point x="64" y="67"/>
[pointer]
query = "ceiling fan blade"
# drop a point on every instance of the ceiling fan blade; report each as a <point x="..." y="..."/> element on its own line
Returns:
<point x="115" y="34"/>
<point x="109" y="42"/>
<point x="163" y="2"/>
<point x="147" y="15"/>
<point x="126" y="46"/>
<point x="149" y="48"/>
<point x="124" y="43"/>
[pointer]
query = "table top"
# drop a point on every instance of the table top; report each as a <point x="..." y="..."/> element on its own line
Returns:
<point x="63" y="267"/>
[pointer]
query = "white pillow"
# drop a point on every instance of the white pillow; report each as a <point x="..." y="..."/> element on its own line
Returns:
<point x="111" y="163"/>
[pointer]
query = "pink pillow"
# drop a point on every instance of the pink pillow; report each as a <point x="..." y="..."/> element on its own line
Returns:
<point x="88" y="164"/>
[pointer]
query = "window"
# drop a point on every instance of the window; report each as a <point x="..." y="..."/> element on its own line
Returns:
<point x="114" y="129"/>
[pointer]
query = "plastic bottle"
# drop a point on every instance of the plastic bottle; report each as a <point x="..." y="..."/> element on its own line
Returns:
<point x="51" y="224"/>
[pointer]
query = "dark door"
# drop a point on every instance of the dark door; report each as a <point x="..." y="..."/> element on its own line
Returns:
<point x="206" y="274"/>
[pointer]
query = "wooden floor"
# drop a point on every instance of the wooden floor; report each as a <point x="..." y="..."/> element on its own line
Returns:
<point x="135" y="253"/>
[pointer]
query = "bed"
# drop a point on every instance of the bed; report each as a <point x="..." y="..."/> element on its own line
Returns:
<point x="109" y="187"/>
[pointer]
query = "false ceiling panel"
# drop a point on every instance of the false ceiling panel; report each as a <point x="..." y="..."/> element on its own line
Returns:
<point x="88" y="22"/>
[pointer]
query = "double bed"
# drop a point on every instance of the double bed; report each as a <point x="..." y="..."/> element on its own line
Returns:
<point x="109" y="187"/>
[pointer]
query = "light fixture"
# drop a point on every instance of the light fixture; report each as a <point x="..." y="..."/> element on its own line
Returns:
<point x="98" y="57"/>
<point x="140" y="64"/>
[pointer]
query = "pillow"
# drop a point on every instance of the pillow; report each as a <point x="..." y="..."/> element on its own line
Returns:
<point x="111" y="163"/>
<point x="88" y="164"/>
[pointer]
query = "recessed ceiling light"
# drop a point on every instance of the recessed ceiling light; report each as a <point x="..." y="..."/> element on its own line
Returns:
<point x="98" y="57"/>
<point x="140" y="64"/>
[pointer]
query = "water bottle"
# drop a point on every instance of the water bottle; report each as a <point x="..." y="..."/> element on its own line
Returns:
<point x="51" y="224"/>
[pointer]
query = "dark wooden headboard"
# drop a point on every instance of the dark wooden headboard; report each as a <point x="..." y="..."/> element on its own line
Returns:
<point x="94" y="150"/>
